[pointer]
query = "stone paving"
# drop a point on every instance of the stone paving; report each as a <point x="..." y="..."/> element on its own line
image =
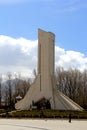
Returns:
<point x="32" y="124"/>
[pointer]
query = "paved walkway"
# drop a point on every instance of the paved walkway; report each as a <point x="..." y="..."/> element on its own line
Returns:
<point x="29" y="124"/>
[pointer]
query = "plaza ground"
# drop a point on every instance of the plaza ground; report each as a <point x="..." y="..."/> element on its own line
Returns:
<point x="44" y="124"/>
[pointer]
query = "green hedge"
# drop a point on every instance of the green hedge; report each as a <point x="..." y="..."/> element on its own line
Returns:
<point x="45" y="114"/>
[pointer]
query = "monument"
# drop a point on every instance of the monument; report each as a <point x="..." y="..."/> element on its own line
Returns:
<point x="44" y="86"/>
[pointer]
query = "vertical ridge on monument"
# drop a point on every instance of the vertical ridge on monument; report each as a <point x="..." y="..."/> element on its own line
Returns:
<point x="44" y="88"/>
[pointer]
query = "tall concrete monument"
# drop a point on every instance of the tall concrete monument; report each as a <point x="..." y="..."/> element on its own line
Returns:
<point x="44" y="86"/>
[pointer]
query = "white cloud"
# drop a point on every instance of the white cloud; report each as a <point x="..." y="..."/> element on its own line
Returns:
<point x="70" y="59"/>
<point x="20" y="55"/>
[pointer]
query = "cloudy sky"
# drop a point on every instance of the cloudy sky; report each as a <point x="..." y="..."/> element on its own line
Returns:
<point x="19" y="23"/>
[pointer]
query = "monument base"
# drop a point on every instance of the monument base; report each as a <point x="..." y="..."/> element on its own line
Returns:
<point x="58" y="101"/>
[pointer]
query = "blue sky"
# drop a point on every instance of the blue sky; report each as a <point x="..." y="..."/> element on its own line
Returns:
<point x="66" y="18"/>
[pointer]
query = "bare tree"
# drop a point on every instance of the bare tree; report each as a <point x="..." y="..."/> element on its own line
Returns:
<point x="25" y="85"/>
<point x="9" y="78"/>
<point x="73" y="83"/>
<point x="0" y="89"/>
<point x="5" y="93"/>
<point x="84" y="89"/>
<point x="21" y="87"/>
<point x="34" y="73"/>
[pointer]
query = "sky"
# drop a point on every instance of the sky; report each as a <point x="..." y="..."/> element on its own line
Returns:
<point x="19" y="23"/>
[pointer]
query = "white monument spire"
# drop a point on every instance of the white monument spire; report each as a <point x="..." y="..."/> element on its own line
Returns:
<point x="44" y="85"/>
<point x="46" y="52"/>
